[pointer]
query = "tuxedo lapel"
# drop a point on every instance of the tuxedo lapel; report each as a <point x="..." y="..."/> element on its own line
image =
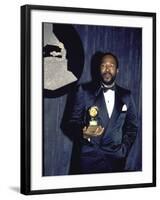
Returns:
<point x="116" y="112"/>
<point x="103" y="113"/>
<point x="120" y="100"/>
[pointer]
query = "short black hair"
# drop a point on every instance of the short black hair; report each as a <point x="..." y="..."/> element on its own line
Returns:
<point x="111" y="54"/>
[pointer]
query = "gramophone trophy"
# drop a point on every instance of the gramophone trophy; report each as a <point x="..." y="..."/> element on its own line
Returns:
<point x="93" y="125"/>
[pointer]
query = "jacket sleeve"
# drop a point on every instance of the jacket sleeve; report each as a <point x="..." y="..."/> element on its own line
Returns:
<point x="130" y="129"/>
<point x="76" y="113"/>
<point x="130" y="126"/>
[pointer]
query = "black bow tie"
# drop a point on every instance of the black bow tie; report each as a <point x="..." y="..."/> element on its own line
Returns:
<point x="105" y="89"/>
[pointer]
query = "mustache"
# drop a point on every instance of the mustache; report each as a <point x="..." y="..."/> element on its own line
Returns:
<point x="106" y="73"/>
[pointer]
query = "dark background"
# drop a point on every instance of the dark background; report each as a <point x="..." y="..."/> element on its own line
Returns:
<point x="126" y="44"/>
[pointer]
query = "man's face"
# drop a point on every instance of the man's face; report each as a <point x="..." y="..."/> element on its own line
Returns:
<point x="108" y="69"/>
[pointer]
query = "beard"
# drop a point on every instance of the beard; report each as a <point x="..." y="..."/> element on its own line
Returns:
<point x="108" y="78"/>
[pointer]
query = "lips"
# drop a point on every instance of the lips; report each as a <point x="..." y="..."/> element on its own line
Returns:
<point x="107" y="75"/>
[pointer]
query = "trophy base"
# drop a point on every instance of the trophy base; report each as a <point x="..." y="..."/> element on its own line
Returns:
<point x="91" y="131"/>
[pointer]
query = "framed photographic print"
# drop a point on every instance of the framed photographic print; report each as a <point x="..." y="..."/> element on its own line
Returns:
<point x="88" y="99"/>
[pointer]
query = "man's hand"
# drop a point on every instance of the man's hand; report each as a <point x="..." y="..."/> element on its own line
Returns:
<point x="92" y="131"/>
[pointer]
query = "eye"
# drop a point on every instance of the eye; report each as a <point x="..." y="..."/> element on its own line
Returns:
<point x="102" y="66"/>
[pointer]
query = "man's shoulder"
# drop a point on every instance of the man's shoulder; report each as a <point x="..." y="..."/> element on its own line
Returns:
<point x="123" y="90"/>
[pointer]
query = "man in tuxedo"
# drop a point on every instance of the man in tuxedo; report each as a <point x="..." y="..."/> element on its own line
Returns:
<point x="104" y="148"/>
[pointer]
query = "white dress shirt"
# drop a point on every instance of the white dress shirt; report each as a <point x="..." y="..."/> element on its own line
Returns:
<point x="110" y="100"/>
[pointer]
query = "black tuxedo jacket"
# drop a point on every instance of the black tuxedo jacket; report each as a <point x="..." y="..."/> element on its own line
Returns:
<point x="108" y="152"/>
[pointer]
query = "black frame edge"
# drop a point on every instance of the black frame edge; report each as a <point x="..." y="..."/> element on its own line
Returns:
<point x="25" y="101"/>
<point x="89" y="189"/>
<point x="89" y="10"/>
<point x="154" y="97"/>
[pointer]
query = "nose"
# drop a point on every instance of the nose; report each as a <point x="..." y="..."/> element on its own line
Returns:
<point x="106" y="69"/>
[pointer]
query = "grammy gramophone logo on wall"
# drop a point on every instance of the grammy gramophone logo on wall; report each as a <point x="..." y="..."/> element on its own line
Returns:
<point x="93" y="124"/>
